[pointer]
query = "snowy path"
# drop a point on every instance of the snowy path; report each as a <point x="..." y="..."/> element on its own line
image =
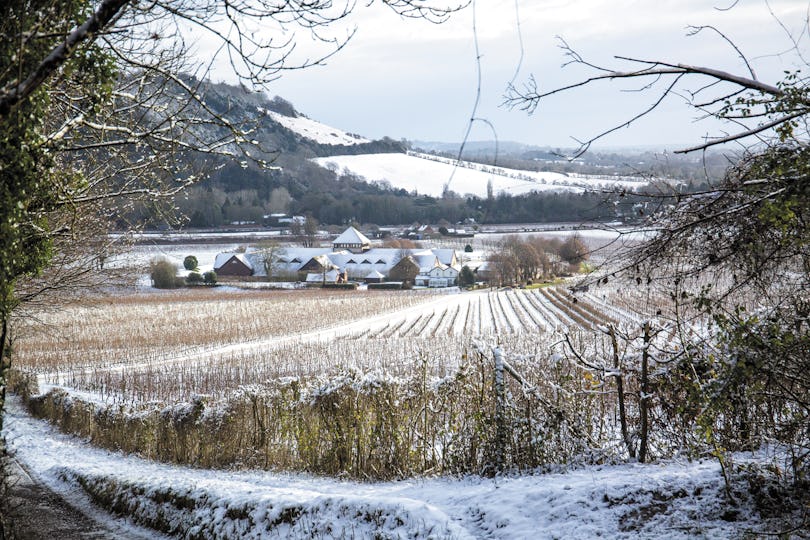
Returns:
<point x="674" y="500"/>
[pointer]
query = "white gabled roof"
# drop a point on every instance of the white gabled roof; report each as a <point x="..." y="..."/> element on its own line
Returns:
<point x="223" y="258"/>
<point x="352" y="236"/>
<point x="444" y="255"/>
<point x="374" y="275"/>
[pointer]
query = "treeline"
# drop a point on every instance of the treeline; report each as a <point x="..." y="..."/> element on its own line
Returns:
<point x="641" y="164"/>
<point x="333" y="198"/>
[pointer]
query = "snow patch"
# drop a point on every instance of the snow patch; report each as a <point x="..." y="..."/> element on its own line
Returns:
<point x="315" y="131"/>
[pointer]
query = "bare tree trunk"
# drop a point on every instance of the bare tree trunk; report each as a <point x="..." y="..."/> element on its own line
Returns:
<point x="643" y="402"/>
<point x="5" y="365"/>
<point x="500" y="411"/>
<point x="628" y="443"/>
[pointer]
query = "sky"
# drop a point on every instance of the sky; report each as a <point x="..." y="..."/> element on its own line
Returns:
<point x="414" y="79"/>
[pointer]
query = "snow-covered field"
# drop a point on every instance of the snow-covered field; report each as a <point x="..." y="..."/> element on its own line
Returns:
<point x="672" y="499"/>
<point x="677" y="499"/>
<point x="427" y="175"/>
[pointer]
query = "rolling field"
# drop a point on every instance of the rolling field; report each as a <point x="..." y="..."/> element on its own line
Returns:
<point x="170" y="346"/>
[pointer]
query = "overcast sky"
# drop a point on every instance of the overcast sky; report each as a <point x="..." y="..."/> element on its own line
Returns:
<point x="417" y="80"/>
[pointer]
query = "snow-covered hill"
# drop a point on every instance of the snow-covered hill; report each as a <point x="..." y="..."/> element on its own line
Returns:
<point x="427" y="174"/>
<point x="314" y="130"/>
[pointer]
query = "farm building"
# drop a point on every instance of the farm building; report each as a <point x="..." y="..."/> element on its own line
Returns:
<point x="331" y="276"/>
<point x="353" y="240"/>
<point x="233" y="264"/>
<point x="439" y="276"/>
<point x="355" y="263"/>
<point x="374" y="277"/>
<point x="406" y="269"/>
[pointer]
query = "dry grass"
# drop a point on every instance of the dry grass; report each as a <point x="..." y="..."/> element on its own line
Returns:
<point x="103" y="332"/>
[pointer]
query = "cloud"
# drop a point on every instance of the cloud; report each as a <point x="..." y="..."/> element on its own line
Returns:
<point x="415" y="79"/>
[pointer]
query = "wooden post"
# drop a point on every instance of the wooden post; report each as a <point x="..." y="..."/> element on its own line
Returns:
<point x="628" y="443"/>
<point x="643" y="403"/>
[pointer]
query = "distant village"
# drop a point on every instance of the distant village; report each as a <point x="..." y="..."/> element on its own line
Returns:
<point x="351" y="258"/>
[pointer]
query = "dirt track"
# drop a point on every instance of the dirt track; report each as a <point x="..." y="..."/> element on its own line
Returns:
<point x="37" y="512"/>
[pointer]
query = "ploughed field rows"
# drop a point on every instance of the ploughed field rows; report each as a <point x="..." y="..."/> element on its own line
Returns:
<point x="145" y="329"/>
<point x="170" y="347"/>
<point x="500" y="312"/>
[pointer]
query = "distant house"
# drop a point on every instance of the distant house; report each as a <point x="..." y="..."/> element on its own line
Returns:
<point x="418" y="232"/>
<point x="233" y="264"/>
<point x="353" y="240"/>
<point x="439" y="276"/>
<point x="352" y="256"/>
<point x="406" y="269"/>
<point x="484" y="271"/>
<point x="316" y="265"/>
<point x="374" y="277"/>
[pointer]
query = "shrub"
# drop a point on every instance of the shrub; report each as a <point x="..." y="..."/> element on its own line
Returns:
<point x="210" y="278"/>
<point x="468" y="248"/>
<point x="466" y="277"/>
<point x="344" y="286"/>
<point x="163" y="274"/>
<point x="388" y="286"/>
<point x="194" y="278"/>
<point x="190" y="262"/>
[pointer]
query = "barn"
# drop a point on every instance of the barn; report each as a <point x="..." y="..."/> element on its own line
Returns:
<point x="233" y="264"/>
<point x="353" y="240"/>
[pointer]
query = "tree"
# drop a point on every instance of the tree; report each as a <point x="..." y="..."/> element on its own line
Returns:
<point x="190" y="262"/>
<point x="163" y="274"/>
<point x="466" y="277"/>
<point x="310" y="230"/>
<point x="520" y="260"/>
<point x="280" y="200"/>
<point x="100" y="102"/>
<point x="194" y="278"/>
<point x="272" y="254"/>
<point x="733" y="259"/>
<point x="573" y="250"/>
<point x="210" y="278"/>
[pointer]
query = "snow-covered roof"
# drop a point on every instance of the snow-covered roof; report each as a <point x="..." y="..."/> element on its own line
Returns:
<point x="318" y="277"/>
<point x="300" y="254"/>
<point x="222" y="258"/>
<point x="351" y="236"/>
<point x="374" y="275"/>
<point x="444" y="255"/>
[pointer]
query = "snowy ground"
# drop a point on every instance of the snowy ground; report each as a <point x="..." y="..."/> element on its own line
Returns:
<point x="314" y="130"/>
<point x="427" y="175"/>
<point x="678" y="499"/>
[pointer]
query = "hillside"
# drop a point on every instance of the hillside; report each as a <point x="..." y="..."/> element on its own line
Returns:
<point x="340" y="177"/>
<point x="428" y="174"/>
